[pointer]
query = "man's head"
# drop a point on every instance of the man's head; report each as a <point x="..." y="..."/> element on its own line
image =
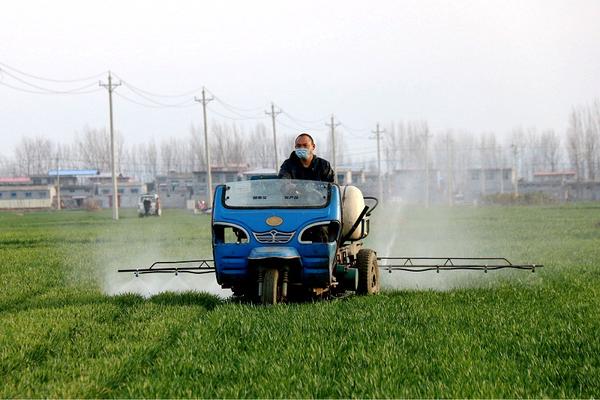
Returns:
<point x="304" y="146"/>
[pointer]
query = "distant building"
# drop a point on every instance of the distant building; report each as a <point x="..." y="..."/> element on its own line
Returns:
<point x="74" y="196"/>
<point x="13" y="197"/>
<point x="178" y="189"/>
<point x="52" y="180"/>
<point x="128" y="194"/>
<point x="350" y="176"/>
<point x="103" y="178"/>
<point x="175" y="189"/>
<point x="555" y="176"/>
<point x="409" y="185"/>
<point x="262" y="173"/>
<point x="480" y="182"/>
<point x="20" y="180"/>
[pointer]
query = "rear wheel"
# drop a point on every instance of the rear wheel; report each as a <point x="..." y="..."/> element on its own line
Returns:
<point x="368" y="272"/>
<point x="269" y="287"/>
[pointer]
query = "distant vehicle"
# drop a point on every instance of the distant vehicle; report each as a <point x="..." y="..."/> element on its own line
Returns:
<point x="149" y="205"/>
<point x="202" y="208"/>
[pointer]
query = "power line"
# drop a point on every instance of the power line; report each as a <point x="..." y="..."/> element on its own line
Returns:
<point x="227" y="105"/>
<point x="44" y="90"/>
<point x="139" y="103"/>
<point x="349" y="128"/>
<point x="316" y="121"/>
<point x="52" y="80"/>
<point x="184" y="103"/>
<point x="300" y="126"/>
<point x="238" y="114"/>
<point x="154" y="94"/>
<point x="235" y="118"/>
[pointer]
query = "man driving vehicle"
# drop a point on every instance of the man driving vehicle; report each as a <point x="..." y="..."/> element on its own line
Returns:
<point x="303" y="163"/>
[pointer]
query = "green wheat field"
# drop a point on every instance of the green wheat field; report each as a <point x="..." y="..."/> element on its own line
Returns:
<point x="71" y="327"/>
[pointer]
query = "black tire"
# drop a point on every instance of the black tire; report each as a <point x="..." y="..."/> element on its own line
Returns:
<point x="270" y="290"/>
<point x="368" y="272"/>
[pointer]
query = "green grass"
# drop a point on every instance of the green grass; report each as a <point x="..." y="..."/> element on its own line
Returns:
<point x="502" y="334"/>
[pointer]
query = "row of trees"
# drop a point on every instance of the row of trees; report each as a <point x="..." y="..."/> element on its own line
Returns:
<point x="412" y="145"/>
<point x="404" y="145"/>
<point x="90" y="149"/>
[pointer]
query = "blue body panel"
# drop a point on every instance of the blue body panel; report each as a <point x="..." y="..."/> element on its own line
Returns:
<point x="235" y="262"/>
<point x="266" y="252"/>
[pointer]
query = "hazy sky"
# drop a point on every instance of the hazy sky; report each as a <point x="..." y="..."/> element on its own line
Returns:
<point x="463" y="65"/>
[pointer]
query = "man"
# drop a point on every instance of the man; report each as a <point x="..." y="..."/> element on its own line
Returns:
<point x="304" y="164"/>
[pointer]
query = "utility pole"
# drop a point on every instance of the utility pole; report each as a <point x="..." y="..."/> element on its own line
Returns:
<point x="110" y="87"/>
<point x="426" y="136"/>
<point x="378" y="133"/>
<point x="450" y="167"/>
<point x="389" y="168"/>
<point x="57" y="184"/>
<point x="204" y="102"/>
<point x="273" y="114"/>
<point x="481" y="169"/>
<point x="515" y="175"/>
<point x="501" y="170"/>
<point x="332" y="125"/>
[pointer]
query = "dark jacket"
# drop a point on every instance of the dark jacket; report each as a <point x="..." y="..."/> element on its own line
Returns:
<point x="318" y="170"/>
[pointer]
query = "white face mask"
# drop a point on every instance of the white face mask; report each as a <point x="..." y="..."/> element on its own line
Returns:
<point x="302" y="154"/>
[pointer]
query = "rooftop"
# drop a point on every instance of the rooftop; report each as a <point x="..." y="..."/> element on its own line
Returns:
<point x="14" y="180"/>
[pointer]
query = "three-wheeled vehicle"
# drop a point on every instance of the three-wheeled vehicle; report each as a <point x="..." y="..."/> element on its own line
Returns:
<point x="277" y="238"/>
<point x="280" y="239"/>
<point x="149" y="204"/>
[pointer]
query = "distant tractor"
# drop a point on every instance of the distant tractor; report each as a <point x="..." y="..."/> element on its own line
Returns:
<point x="275" y="240"/>
<point x="149" y="205"/>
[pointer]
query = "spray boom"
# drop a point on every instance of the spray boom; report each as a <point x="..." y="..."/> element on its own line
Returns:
<point x="422" y="264"/>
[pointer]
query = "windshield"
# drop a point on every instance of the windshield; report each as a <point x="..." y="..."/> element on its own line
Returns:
<point x="269" y="193"/>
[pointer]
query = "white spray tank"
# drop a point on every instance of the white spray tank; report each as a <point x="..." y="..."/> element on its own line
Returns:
<point x="353" y="204"/>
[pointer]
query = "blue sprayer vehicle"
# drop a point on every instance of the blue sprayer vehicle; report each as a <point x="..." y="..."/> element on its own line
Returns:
<point x="275" y="240"/>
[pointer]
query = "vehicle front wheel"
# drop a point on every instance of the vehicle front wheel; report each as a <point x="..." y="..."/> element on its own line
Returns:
<point x="269" y="287"/>
<point x="368" y="272"/>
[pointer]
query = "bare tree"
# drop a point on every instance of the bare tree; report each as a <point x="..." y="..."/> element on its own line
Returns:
<point x="67" y="155"/>
<point x="575" y="140"/>
<point x="167" y="152"/>
<point x="34" y="155"/>
<point x="490" y="151"/>
<point x="595" y="122"/>
<point x="149" y="157"/>
<point x="550" y="150"/>
<point x="131" y="162"/>
<point x="5" y="165"/>
<point x="175" y="155"/>
<point x="93" y="146"/>
<point x="217" y="145"/>
<point x="196" y="142"/>
<point x="236" y="145"/>
<point x="262" y="147"/>
<point x="591" y="133"/>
